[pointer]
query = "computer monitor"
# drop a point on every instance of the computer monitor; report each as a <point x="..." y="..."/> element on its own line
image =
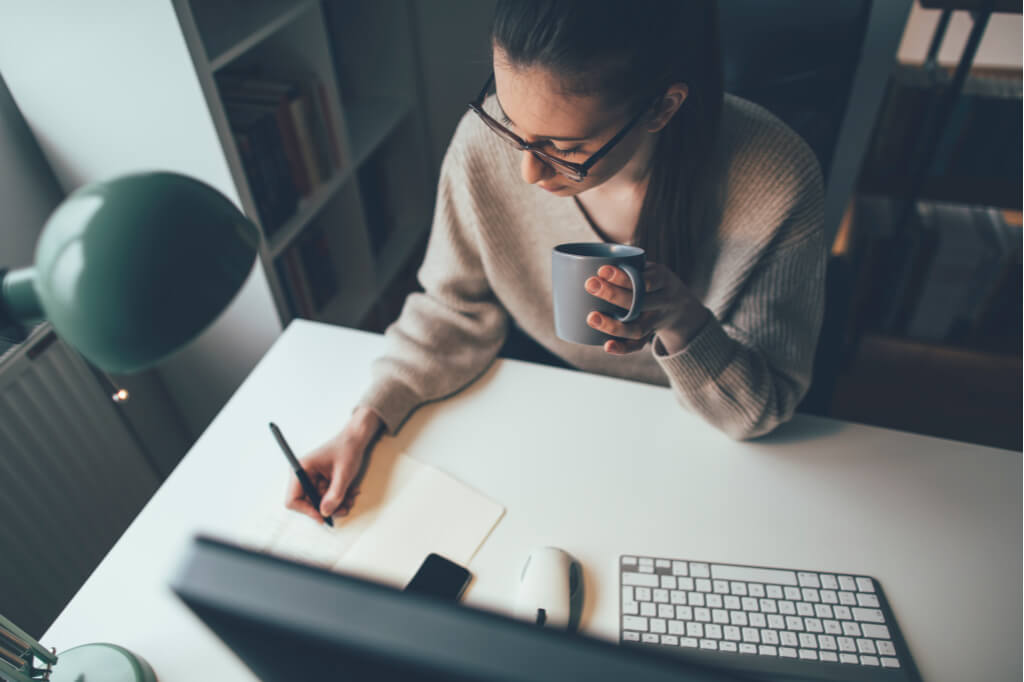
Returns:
<point x="289" y="621"/>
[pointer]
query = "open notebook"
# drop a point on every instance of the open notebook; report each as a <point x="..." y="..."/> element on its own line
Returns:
<point x="405" y="510"/>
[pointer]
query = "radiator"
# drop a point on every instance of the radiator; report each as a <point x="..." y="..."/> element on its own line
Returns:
<point x="72" y="478"/>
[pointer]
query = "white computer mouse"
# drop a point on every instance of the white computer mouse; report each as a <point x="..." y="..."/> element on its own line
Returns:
<point x="550" y="589"/>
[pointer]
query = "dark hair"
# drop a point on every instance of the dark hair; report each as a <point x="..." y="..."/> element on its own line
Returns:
<point x="631" y="51"/>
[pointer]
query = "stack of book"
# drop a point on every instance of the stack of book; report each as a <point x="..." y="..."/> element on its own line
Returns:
<point x="308" y="270"/>
<point x="286" y="138"/>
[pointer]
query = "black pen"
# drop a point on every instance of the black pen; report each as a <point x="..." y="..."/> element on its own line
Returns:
<point x="307" y="485"/>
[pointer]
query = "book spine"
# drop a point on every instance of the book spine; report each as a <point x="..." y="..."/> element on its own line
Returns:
<point x="300" y="119"/>
<point x="332" y="133"/>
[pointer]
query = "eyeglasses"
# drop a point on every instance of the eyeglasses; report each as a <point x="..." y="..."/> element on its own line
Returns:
<point x="574" y="171"/>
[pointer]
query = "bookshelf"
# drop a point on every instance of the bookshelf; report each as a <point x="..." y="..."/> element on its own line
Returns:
<point x="316" y="108"/>
<point x="933" y="241"/>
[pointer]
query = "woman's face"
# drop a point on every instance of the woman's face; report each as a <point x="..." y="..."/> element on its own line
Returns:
<point x="571" y="127"/>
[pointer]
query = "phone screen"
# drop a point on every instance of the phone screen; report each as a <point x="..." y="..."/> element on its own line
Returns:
<point x="439" y="577"/>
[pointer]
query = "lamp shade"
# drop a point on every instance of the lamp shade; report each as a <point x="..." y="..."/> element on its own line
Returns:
<point x="130" y="270"/>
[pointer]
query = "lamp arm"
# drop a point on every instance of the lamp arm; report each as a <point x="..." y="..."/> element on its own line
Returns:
<point x="19" y="302"/>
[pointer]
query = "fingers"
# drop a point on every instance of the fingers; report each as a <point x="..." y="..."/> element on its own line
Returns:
<point x="341" y="478"/>
<point x="296" y="501"/>
<point x="653" y="277"/>
<point x="625" y="346"/>
<point x="637" y="330"/>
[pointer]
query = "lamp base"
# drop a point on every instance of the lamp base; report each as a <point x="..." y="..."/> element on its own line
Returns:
<point x="101" y="662"/>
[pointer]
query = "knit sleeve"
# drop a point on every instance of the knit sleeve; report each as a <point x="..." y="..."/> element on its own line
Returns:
<point x="446" y="336"/>
<point x="746" y="373"/>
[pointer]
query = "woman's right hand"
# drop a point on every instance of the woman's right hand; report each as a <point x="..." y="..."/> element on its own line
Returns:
<point x="333" y="466"/>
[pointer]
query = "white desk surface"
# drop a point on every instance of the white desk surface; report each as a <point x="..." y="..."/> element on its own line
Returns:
<point x="599" y="467"/>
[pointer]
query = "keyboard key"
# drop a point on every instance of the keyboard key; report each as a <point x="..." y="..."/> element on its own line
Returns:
<point x="808" y="654"/>
<point x="829" y="582"/>
<point x="666" y="611"/>
<point x="792" y="593"/>
<point x="890" y="662"/>
<point x="671" y="640"/>
<point x="868" y="600"/>
<point x="738" y="588"/>
<point x="677" y="597"/>
<point x="756" y="575"/>
<point x="688" y="642"/>
<point x="869" y="615"/>
<point x="787" y="652"/>
<point x="732" y="633"/>
<point x="804" y="609"/>
<point x="885" y="647"/>
<point x="627" y="593"/>
<point x="684" y="583"/>
<point x="649" y="638"/>
<point x="776" y="622"/>
<point x="832" y="627"/>
<point x="702" y="614"/>
<point x="731" y="603"/>
<point x="661" y="596"/>
<point x="684" y="613"/>
<point x="787" y="608"/>
<point x="755" y="589"/>
<point x="677" y="627"/>
<point x="694" y="629"/>
<point x="634" y="623"/>
<point x="748" y="649"/>
<point x="721" y="586"/>
<point x="630" y="608"/>
<point x="846" y="644"/>
<point x="788" y="638"/>
<point x="767" y="650"/>
<point x="808" y="579"/>
<point x="807" y="640"/>
<point x="827" y="642"/>
<point x="630" y="578"/>
<point x="757" y="620"/>
<point x="869" y="660"/>
<point x="749" y="603"/>
<point x="728" y="646"/>
<point x="828" y="656"/>
<point x="846" y="583"/>
<point x="822" y="610"/>
<point x="767" y="605"/>
<point x="645" y="568"/>
<point x="648" y="609"/>
<point x="703" y="585"/>
<point x="700" y="570"/>
<point x="851" y="629"/>
<point x="794" y="622"/>
<point x="679" y="568"/>
<point x="657" y="625"/>
<point x="865" y="585"/>
<point x="842" y="613"/>
<point x="848" y="658"/>
<point x="751" y="635"/>
<point x="695" y="599"/>
<point x="646" y="561"/>
<point x="738" y="618"/>
<point x="630" y="636"/>
<point x="810" y="594"/>
<point x="668" y="582"/>
<point x="813" y="625"/>
<point x="629" y="561"/>
<point x="708" y="644"/>
<point x="829" y="597"/>
<point x="847" y="599"/>
<point x="720" y="616"/>
<point x="663" y="563"/>
<point x="712" y="631"/>
<point x="713" y="600"/>
<point x="773" y="591"/>
<point x="866" y="646"/>
<point x="769" y="636"/>
<point x="643" y="594"/>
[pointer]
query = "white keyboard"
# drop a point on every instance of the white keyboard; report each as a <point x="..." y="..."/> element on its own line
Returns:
<point x="776" y="621"/>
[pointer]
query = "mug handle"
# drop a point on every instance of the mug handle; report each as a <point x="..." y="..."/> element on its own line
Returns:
<point x="637" y="280"/>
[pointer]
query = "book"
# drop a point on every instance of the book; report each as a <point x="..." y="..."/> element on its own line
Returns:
<point x="299" y="108"/>
<point x="265" y="164"/>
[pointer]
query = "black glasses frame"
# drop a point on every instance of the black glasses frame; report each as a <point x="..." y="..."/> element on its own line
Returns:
<point x="576" y="172"/>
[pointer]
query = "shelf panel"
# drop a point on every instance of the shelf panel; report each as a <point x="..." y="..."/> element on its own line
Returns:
<point x="308" y="208"/>
<point x="261" y="21"/>
<point x="369" y="123"/>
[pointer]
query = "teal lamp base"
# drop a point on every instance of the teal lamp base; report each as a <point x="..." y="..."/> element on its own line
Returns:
<point x="101" y="663"/>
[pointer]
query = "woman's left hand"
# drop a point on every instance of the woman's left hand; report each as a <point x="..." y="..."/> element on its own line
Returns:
<point x="669" y="310"/>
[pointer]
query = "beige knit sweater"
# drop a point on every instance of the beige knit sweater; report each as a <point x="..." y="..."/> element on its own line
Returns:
<point x="489" y="256"/>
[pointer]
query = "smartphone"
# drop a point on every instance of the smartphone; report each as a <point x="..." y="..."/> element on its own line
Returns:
<point x="439" y="577"/>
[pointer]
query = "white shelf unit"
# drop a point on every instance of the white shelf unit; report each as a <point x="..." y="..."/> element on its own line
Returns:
<point x="361" y="51"/>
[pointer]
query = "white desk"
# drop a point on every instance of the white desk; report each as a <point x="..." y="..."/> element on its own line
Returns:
<point x="599" y="467"/>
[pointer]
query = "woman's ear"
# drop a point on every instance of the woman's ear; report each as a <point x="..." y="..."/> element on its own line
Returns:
<point x="668" y="105"/>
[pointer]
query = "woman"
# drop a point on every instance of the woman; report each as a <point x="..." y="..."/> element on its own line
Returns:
<point x="609" y="123"/>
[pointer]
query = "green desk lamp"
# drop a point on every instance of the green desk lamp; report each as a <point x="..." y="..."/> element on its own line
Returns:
<point x="127" y="272"/>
